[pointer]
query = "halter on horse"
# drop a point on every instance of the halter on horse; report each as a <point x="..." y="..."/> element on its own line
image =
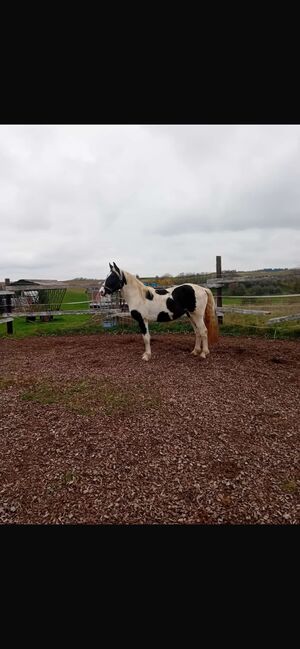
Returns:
<point x="147" y="304"/>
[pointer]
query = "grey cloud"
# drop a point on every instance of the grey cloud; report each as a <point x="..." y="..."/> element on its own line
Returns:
<point x="270" y="201"/>
<point x="153" y="198"/>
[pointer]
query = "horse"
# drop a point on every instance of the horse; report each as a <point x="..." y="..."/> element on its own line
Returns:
<point x="147" y="304"/>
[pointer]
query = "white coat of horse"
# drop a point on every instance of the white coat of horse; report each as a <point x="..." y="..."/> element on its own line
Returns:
<point x="147" y="304"/>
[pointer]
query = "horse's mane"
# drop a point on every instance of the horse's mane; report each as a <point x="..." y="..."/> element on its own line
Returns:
<point x="132" y="279"/>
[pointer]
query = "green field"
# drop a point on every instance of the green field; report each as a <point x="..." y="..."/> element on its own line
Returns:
<point x="75" y="295"/>
<point x="234" y="324"/>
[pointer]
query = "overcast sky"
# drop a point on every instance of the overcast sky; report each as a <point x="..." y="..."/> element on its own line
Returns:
<point x="154" y="199"/>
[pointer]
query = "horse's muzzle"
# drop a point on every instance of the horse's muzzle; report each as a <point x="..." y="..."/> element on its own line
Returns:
<point x="104" y="290"/>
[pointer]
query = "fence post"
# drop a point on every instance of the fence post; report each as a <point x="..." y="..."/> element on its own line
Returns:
<point x="9" y="325"/>
<point x="219" y="289"/>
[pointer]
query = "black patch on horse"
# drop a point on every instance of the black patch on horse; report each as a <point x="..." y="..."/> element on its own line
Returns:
<point x="137" y="316"/>
<point x="184" y="298"/>
<point x="163" y="317"/>
<point x="161" y="291"/>
<point x="175" y="308"/>
<point x="149" y="295"/>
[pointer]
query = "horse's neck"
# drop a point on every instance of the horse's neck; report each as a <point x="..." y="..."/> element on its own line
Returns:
<point x="133" y="290"/>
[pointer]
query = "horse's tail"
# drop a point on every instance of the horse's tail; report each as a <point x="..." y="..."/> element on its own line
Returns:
<point x="210" y="318"/>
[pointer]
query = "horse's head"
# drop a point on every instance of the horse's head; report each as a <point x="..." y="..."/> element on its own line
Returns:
<point x="114" y="281"/>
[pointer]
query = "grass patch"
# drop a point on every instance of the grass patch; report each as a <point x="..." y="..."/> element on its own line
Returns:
<point x="271" y="333"/>
<point x="59" y="326"/>
<point x="6" y="383"/>
<point x="75" y="295"/>
<point x="154" y="327"/>
<point x="89" y="396"/>
<point x="68" y="477"/>
<point x="289" y="486"/>
<point x="287" y="331"/>
<point x="47" y="393"/>
<point x="44" y="394"/>
<point x="91" y="324"/>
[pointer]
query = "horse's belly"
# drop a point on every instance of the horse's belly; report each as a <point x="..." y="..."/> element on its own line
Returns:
<point x="167" y="315"/>
<point x="178" y="314"/>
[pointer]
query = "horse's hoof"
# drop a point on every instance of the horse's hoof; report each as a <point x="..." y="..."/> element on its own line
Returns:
<point x="194" y="352"/>
<point x="146" y="357"/>
<point x="202" y="355"/>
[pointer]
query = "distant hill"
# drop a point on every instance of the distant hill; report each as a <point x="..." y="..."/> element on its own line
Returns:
<point x="275" y="280"/>
<point x="82" y="282"/>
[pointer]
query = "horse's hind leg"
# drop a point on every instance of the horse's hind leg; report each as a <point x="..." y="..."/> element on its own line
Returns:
<point x="201" y="343"/>
<point x="147" y="355"/>
<point x="197" y="348"/>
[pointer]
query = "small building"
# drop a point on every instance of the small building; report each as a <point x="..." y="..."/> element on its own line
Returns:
<point x="33" y="296"/>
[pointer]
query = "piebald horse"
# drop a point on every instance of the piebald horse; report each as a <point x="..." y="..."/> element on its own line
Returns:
<point x="148" y="304"/>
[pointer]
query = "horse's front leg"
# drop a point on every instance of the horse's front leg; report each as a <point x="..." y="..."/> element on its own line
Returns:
<point x="145" y="331"/>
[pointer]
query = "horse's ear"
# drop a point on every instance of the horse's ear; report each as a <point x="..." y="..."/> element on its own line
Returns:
<point x="110" y="265"/>
<point x="116" y="268"/>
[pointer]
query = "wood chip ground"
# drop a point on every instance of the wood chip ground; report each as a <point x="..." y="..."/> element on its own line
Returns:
<point x="91" y="434"/>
